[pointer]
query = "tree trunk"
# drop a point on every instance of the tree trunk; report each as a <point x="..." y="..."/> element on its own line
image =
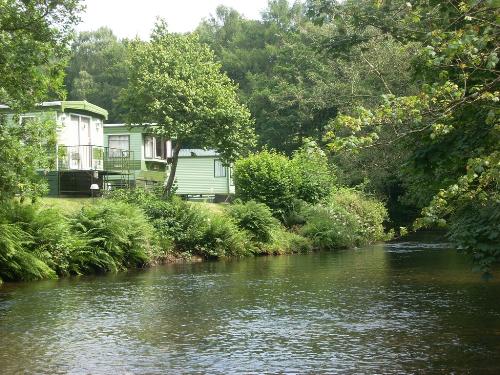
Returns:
<point x="171" y="177"/>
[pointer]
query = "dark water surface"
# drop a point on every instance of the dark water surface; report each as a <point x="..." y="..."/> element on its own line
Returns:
<point x="400" y="308"/>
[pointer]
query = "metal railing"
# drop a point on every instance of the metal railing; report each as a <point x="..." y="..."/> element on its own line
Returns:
<point x="90" y="157"/>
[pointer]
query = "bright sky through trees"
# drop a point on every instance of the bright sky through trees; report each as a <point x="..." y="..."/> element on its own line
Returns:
<point x="132" y="17"/>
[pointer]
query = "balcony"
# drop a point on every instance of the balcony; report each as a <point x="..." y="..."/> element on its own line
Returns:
<point x="94" y="158"/>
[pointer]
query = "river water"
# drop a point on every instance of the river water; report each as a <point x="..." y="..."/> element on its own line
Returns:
<point x="396" y="308"/>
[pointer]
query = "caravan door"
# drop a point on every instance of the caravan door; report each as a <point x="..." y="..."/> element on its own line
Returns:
<point x="85" y="148"/>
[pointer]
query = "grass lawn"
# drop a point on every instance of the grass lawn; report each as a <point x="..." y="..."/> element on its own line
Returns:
<point x="66" y="205"/>
<point x="212" y="207"/>
<point x="72" y="205"/>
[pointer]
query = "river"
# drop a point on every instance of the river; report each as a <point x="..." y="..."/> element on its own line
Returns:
<point x="396" y="308"/>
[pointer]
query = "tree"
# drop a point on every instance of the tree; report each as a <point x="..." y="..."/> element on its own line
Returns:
<point x="175" y="83"/>
<point x="33" y="39"/>
<point x="292" y="82"/>
<point x="23" y="152"/>
<point x="96" y="71"/>
<point x="450" y="127"/>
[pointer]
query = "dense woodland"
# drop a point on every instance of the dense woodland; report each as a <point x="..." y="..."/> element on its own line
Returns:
<point x="401" y="96"/>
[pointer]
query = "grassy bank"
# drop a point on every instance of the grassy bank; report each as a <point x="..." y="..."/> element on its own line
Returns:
<point x="130" y="229"/>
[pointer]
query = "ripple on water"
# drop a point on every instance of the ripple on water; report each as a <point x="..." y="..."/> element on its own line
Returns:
<point x="380" y="309"/>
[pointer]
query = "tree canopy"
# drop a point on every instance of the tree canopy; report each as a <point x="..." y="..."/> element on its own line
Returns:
<point x="449" y="129"/>
<point x="176" y="83"/>
<point x="96" y="71"/>
<point x="33" y="48"/>
<point x="33" y="51"/>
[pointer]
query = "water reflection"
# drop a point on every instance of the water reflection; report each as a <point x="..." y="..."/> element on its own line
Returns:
<point x="398" y="308"/>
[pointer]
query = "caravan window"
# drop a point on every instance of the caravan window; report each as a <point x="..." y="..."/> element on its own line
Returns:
<point x="148" y="146"/>
<point x="219" y="169"/>
<point x="159" y="148"/>
<point x="117" y="144"/>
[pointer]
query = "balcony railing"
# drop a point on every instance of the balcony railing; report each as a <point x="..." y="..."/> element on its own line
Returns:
<point x="90" y="157"/>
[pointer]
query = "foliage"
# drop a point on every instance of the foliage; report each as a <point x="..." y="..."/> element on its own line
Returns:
<point x="451" y="124"/>
<point x="23" y="152"/>
<point x="256" y="218"/>
<point x="345" y="219"/>
<point x="267" y="177"/>
<point x="51" y="237"/>
<point x="472" y="209"/>
<point x="314" y="175"/>
<point x="33" y="40"/>
<point x="96" y="71"/>
<point x="29" y="244"/>
<point x="292" y="82"/>
<point x="138" y="196"/>
<point x="119" y="236"/>
<point x="279" y="182"/>
<point x="175" y="82"/>
<point x="329" y="227"/>
<point x="222" y="238"/>
<point x="285" y="242"/>
<point x="190" y="228"/>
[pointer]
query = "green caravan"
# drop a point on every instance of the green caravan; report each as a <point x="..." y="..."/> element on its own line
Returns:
<point x="200" y="173"/>
<point x="82" y="158"/>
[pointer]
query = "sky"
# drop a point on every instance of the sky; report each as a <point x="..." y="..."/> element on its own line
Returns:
<point x="131" y="18"/>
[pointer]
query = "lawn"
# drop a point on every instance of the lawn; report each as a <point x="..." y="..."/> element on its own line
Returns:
<point x="66" y="205"/>
<point x="217" y="208"/>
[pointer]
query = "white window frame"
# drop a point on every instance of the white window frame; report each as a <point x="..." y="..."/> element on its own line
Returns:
<point x="110" y="149"/>
<point x="165" y="148"/>
<point x="218" y="167"/>
<point x="148" y="138"/>
<point x="89" y="130"/>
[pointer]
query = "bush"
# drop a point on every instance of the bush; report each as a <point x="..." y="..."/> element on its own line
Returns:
<point x="35" y="242"/>
<point x="119" y="236"/>
<point x="329" y="227"/>
<point x="137" y="196"/>
<point x="314" y="177"/>
<point x="370" y="214"/>
<point x="267" y="177"/>
<point x="475" y="229"/>
<point x="256" y="218"/>
<point x="345" y="219"/>
<point x="222" y="238"/>
<point x="189" y="227"/>
<point x="275" y="180"/>
<point x="16" y="263"/>
<point x="284" y="242"/>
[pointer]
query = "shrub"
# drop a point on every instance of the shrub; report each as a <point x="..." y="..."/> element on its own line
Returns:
<point x="370" y="213"/>
<point x="329" y="227"/>
<point x="222" y="238"/>
<point x="314" y="177"/>
<point x="475" y="229"/>
<point x="31" y="246"/>
<point x="346" y="218"/>
<point x="119" y="236"/>
<point x="256" y="218"/>
<point x="16" y="263"/>
<point x="137" y="196"/>
<point x="267" y="177"/>
<point x="284" y="242"/>
<point x="52" y="238"/>
<point x="189" y="227"/>
<point x="271" y="178"/>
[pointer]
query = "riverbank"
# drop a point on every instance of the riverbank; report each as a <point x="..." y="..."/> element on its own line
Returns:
<point x="136" y="228"/>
